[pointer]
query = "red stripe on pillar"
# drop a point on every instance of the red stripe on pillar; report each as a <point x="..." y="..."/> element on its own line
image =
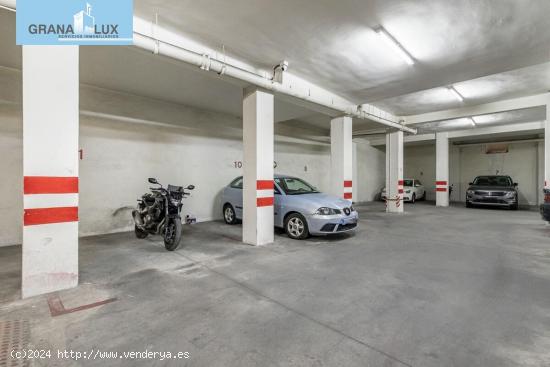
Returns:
<point x="400" y="182"/>
<point x="264" y="201"/>
<point x="50" y="185"/>
<point x="348" y="183"/>
<point x="442" y="189"/>
<point x="50" y="215"/>
<point x="264" y="185"/>
<point x="348" y="195"/>
<point x="400" y="191"/>
<point x="440" y="182"/>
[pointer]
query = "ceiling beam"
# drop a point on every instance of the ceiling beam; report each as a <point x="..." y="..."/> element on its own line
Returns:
<point x="479" y="131"/>
<point x="483" y="109"/>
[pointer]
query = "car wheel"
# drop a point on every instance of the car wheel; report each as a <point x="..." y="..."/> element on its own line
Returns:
<point x="514" y="206"/>
<point x="229" y="214"/>
<point x="468" y="204"/>
<point x="296" y="226"/>
<point x="413" y="198"/>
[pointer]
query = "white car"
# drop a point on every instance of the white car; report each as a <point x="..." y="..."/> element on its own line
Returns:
<point x="412" y="190"/>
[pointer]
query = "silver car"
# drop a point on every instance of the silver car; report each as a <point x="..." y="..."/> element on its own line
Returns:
<point x="299" y="208"/>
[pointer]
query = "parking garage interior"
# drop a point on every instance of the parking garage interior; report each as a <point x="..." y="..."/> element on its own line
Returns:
<point x="354" y="98"/>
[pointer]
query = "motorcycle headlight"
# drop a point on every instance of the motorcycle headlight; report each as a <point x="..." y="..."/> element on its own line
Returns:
<point x="327" y="211"/>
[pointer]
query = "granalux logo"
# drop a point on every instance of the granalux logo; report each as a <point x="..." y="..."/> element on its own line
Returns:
<point x="70" y="22"/>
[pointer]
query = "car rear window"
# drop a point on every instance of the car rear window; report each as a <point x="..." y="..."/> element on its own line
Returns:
<point x="237" y="183"/>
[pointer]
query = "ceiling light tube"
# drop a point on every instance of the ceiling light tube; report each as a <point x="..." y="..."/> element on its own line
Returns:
<point x="394" y="45"/>
<point x="474" y="124"/>
<point x="456" y="94"/>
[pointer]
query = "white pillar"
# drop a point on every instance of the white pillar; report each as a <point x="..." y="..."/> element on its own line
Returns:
<point x="258" y="128"/>
<point x="442" y="169"/>
<point x="394" y="172"/>
<point x="547" y="148"/>
<point x="341" y="157"/>
<point x="50" y="168"/>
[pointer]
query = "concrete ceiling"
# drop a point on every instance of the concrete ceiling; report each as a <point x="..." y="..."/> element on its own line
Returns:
<point x="488" y="49"/>
<point x="135" y="71"/>
<point x="332" y="42"/>
<point x="493" y="119"/>
<point x="511" y="84"/>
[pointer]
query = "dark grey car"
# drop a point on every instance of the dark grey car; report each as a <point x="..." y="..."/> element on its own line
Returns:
<point x="493" y="191"/>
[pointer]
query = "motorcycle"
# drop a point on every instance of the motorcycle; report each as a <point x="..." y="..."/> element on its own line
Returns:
<point x="158" y="212"/>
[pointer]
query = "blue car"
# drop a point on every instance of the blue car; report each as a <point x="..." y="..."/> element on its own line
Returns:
<point x="299" y="208"/>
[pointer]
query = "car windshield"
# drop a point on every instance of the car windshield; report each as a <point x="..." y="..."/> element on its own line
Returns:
<point x="295" y="186"/>
<point x="408" y="183"/>
<point x="493" y="181"/>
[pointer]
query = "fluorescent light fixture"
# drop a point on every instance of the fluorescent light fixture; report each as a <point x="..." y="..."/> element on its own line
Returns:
<point x="456" y="94"/>
<point x="394" y="45"/>
<point x="474" y="124"/>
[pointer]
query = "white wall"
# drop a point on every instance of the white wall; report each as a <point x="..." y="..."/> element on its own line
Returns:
<point x="371" y="171"/>
<point x="126" y="139"/>
<point x="522" y="163"/>
<point x="419" y="163"/>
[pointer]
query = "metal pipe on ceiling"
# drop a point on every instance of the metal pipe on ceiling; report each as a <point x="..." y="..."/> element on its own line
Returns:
<point x="206" y="63"/>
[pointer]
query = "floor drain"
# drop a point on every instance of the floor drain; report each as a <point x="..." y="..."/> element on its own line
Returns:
<point x="14" y="335"/>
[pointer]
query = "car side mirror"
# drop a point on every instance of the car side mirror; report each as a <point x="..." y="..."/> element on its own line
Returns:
<point x="152" y="180"/>
<point x="191" y="187"/>
<point x="470" y="183"/>
<point x="515" y="184"/>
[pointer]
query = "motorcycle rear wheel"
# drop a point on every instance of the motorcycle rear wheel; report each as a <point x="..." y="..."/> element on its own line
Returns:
<point x="172" y="234"/>
<point x="140" y="233"/>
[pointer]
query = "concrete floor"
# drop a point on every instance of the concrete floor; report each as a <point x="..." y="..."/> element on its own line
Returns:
<point x="433" y="287"/>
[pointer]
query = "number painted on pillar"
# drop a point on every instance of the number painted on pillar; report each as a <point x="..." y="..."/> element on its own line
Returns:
<point x="238" y="164"/>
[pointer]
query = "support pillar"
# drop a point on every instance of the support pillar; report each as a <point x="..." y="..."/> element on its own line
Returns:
<point x="547" y="147"/>
<point x="442" y="169"/>
<point x="341" y="157"/>
<point x="258" y="161"/>
<point x="394" y="172"/>
<point x="50" y="168"/>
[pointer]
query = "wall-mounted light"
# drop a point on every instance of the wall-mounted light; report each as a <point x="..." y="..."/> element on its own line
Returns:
<point x="455" y="93"/>
<point x="394" y="45"/>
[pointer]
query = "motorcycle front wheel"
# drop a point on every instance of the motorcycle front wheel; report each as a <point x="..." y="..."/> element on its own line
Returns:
<point x="172" y="234"/>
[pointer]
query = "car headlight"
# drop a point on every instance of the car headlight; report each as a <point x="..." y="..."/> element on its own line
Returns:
<point x="327" y="211"/>
<point x="352" y="208"/>
<point x="470" y="192"/>
<point x="408" y="191"/>
<point x="510" y="194"/>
